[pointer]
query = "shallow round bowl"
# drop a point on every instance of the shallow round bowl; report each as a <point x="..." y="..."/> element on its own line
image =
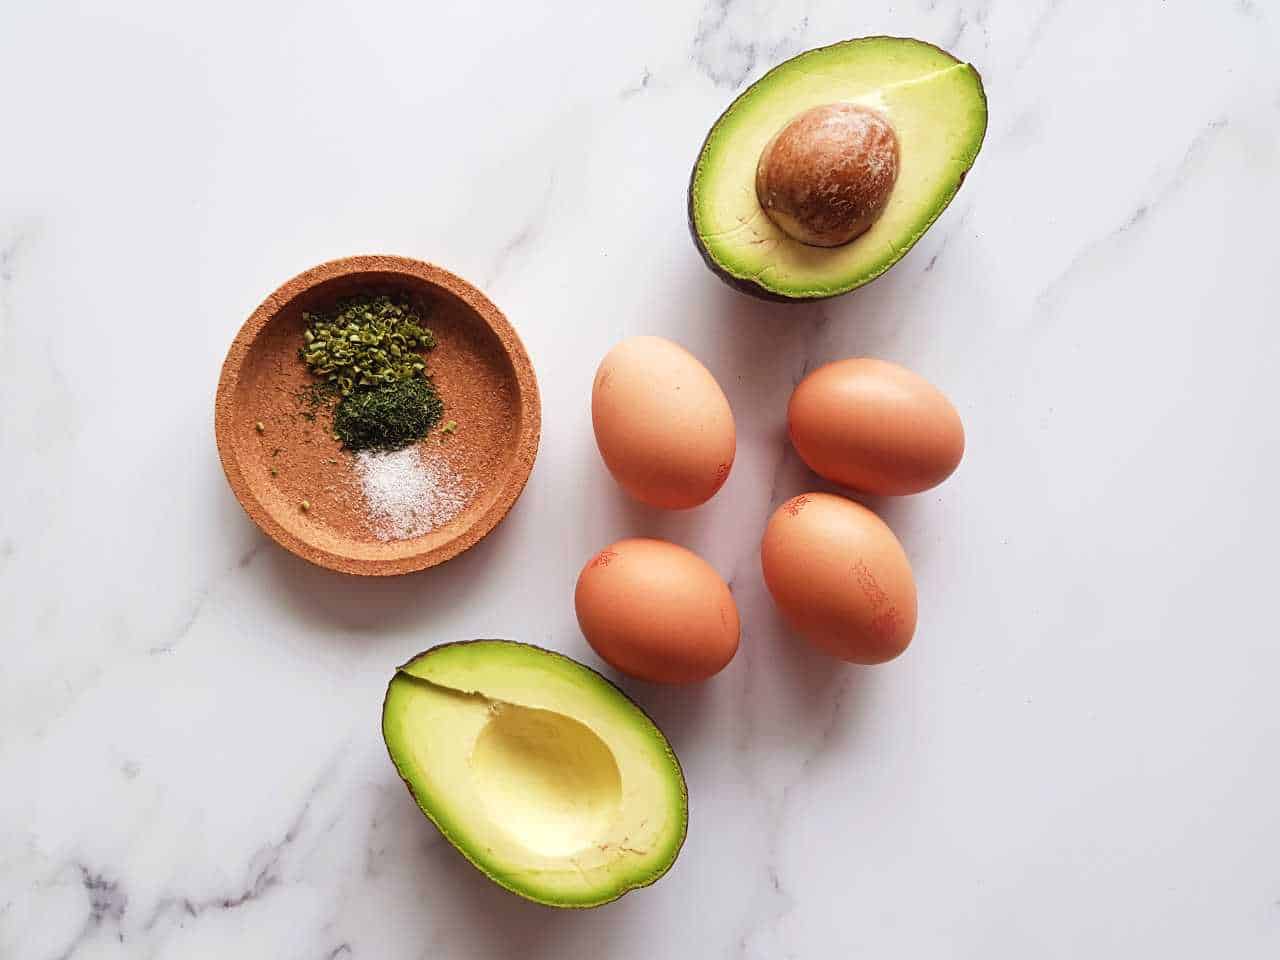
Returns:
<point x="479" y="366"/>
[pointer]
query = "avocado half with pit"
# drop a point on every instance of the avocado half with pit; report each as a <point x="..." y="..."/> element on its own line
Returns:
<point x="828" y="169"/>
<point x="542" y="773"/>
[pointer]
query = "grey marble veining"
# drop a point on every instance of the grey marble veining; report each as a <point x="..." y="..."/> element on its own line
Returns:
<point x="1075" y="758"/>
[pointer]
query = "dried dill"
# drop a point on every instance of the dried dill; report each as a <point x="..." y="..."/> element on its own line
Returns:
<point x="317" y="397"/>
<point x="388" y="417"/>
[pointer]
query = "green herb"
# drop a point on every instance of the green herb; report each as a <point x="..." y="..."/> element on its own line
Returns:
<point x="315" y="397"/>
<point x="366" y="341"/>
<point x="388" y="417"/>
<point x="366" y="354"/>
<point x="318" y="395"/>
<point x="304" y="506"/>
<point x="450" y="427"/>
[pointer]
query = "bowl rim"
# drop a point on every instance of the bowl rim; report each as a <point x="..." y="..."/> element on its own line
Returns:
<point x="512" y="484"/>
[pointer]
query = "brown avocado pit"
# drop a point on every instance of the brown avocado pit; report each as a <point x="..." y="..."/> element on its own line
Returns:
<point x="826" y="176"/>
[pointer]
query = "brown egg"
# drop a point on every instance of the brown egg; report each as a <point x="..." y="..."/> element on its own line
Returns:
<point x="875" y="426"/>
<point x="840" y="577"/>
<point x="657" y="612"/>
<point x="826" y="176"/>
<point x="662" y="423"/>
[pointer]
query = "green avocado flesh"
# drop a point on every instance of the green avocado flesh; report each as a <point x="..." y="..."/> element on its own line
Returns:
<point x="542" y="773"/>
<point x="939" y="112"/>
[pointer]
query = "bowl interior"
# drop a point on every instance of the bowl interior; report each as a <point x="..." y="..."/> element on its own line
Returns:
<point x="295" y="457"/>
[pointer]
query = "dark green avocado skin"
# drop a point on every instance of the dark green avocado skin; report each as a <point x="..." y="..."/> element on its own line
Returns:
<point x="750" y="288"/>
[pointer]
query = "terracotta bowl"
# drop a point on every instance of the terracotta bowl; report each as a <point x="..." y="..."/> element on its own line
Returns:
<point x="484" y="377"/>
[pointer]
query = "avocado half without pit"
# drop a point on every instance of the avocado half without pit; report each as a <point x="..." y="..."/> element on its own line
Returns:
<point x="537" y="769"/>
<point x="828" y="169"/>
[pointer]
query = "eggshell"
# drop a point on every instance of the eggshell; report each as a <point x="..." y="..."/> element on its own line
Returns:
<point x="662" y="423"/>
<point x="657" y="611"/>
<point x="875" y="426"/>
<point x="840" y="577"/>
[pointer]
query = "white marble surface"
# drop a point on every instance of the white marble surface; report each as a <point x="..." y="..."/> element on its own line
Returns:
<point x="1078" y="757"/>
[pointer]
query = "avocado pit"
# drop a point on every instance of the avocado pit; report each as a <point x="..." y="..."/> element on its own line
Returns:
<point x="826" y="176"/>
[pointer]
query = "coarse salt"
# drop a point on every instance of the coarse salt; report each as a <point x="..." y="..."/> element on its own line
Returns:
<point x="407" y="494"/>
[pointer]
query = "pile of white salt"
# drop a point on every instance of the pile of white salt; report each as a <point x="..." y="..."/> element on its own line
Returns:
<point x="409" y="495"/>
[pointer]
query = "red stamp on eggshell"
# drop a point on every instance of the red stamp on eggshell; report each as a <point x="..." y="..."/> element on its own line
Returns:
<point x="796" y="504"/>
<point x="886" y="619"/>
<point x="873" y="591"/>
<point x="886" y="623"/>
